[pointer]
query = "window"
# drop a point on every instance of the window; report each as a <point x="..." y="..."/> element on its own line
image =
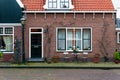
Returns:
<point x="6" y="39"/>
<point x="64" y="3"/>
<point x="52" y="3"/>
<point x="118" y="37"/>
<point x="68" y="37"/>
<point x="58" y="5"/>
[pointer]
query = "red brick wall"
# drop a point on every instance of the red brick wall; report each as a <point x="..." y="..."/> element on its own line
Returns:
<point x="96" y="24"/>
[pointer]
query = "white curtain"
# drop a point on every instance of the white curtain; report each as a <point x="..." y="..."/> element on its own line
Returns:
<point x="8" y="43"/>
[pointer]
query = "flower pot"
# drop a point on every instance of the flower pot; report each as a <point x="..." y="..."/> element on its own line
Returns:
<point x="96" y="59"/>
<point x="55" y="59"/>
<point x="116" y="61"/>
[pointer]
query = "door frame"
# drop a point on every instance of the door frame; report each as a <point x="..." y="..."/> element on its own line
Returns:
<point x="30" y="39"/>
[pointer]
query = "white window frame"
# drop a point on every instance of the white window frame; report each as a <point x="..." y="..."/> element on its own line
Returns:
<point x="118" y="37"/>
<point x="66" y="28"/>
<point x="70" y="6"/>
<point x="8" y="34"/>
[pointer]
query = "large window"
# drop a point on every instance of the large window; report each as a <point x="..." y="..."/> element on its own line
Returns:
<point x="52" y="3"/>
<point x="6" y="39"/>
<point x="67" y="38"/>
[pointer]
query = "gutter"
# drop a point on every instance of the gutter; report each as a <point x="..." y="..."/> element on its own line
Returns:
<point x="114" y="11"/>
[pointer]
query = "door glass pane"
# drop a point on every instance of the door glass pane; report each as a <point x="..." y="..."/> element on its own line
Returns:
<point x="36" y="30"/>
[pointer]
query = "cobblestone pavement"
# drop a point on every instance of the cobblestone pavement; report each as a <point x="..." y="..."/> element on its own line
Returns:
<point x="59" y="74"/>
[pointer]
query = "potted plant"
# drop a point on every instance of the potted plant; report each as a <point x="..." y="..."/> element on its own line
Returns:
<point x="1" y="54"/>
<point x="49" y="60"/>
<point x="116" y="57"/>
<point x="55" y="59"/>
<point x="96" y="58"/>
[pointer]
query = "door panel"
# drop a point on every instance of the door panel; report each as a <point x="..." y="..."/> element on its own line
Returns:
<point x="36" y="45"/>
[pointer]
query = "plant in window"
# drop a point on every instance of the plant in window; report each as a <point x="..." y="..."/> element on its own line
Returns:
<point x="75" y="50"/>
<point x="64" y="6"/>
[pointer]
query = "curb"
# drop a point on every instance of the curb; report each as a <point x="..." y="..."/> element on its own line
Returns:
<point x="60" y="67"/>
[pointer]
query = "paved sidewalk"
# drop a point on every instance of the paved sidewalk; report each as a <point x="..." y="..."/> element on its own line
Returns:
<point x="74" y="65"/>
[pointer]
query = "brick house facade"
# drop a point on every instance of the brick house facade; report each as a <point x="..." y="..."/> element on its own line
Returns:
<point x="52" y="29"/>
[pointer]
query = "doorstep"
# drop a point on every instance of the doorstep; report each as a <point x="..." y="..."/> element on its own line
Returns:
<point x="36" y="60"/>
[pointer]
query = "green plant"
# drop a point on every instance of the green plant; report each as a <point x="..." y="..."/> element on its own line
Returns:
<point x="116" y="55"/>
<point x="1" y="54"/>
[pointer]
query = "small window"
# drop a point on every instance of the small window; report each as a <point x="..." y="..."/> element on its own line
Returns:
<point x="6" y="39"/>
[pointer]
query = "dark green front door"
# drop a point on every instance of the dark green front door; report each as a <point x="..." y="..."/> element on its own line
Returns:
<point x="36" y="45"/>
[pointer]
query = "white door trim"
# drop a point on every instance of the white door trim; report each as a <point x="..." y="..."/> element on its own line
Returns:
<point x="30" y="39"/>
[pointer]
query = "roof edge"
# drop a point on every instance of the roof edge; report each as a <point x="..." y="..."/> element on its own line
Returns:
<point x="20" y="3"/>
<point x="114" y="11"/>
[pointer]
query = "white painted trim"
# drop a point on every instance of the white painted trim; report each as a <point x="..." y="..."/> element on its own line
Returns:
<point x="30" y="39"/>
<point x="114" y="11"/>
<point x="66" y="28"/>
<point x="118" y="37"/>
<point x="117" y="28"/>
<point x="10" y="24"/>
<point x="20" y="3"/>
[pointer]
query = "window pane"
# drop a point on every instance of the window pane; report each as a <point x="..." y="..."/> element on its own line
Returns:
<point x="8" y="30"/>
<point x="54" y="5"/>
<point x="69" y="39"/>
<point x="86" y="34"/>
<point x="6" y="43"/>
<point x="61" y="34"/>
<point x="50" y="5"/>
<point x="61" y="44"/>
<point x="64" y="3"/>
<point x="69" y="34"/>
<point x="87" y="45"/>
<point x="1" y="30"/>
<point x="78" y="44"/>
<point x="69" y="44"/>
<point x="86" y="39"/>
<point x="78" y="38"/>
<point x="61" y="39"/>
<point x="119" y="37"/>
